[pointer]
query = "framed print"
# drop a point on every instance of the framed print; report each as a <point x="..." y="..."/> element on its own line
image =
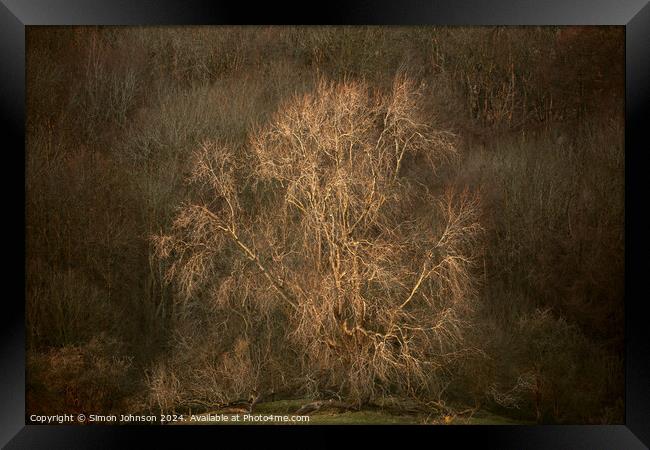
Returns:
<point x="419" y="219"/>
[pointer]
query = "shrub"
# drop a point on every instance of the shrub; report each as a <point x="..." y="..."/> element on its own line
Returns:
<point x="547" y="359"/>
<point x="93" y="377"/>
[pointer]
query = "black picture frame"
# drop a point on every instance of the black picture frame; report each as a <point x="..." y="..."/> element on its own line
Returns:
<point x="15" y="15"/>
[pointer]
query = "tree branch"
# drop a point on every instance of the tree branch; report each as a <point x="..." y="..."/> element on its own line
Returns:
<point x="277" y="283"/>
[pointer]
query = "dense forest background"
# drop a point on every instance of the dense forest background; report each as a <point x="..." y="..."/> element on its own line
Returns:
<point x="126" y="127"/>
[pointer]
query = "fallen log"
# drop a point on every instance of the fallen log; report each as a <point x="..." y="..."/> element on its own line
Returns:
<point x="316" y="406"/>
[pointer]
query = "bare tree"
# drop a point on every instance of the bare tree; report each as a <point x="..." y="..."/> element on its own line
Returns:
<point x="344" y="234"/>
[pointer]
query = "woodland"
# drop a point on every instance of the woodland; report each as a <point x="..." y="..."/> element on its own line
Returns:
<point x="422" y="224"/>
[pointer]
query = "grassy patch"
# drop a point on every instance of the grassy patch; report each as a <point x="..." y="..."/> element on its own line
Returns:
<point x="363" y="417"/>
